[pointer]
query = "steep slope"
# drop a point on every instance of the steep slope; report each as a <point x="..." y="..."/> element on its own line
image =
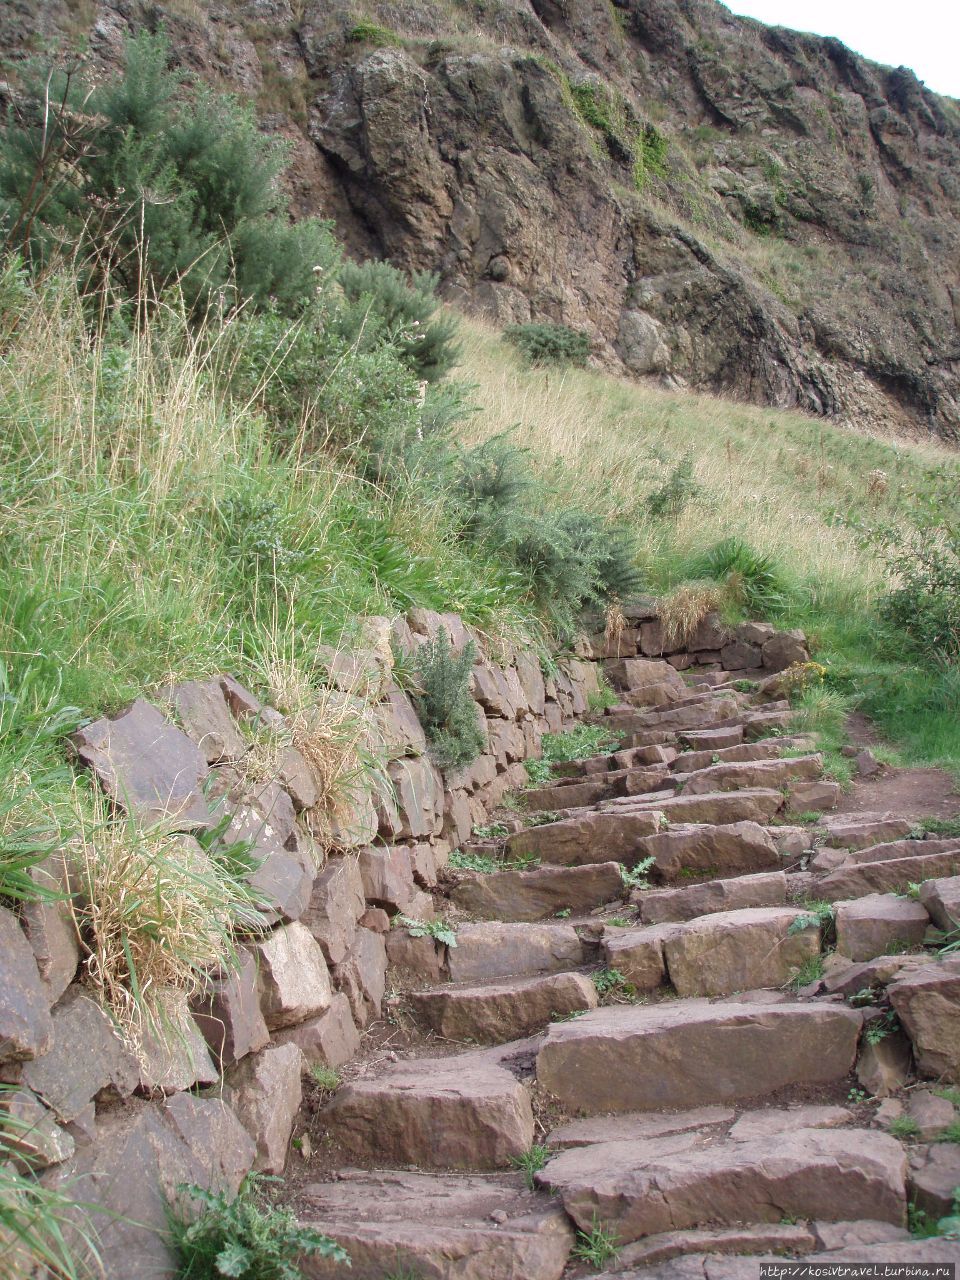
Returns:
<point x="722" y="205"/>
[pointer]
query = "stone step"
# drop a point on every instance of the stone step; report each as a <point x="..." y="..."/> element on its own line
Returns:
<point x="589" y="837"/>
<point x="462" y="1112"/>
<point x="719" y="954"/>
<point x="864" y="831"/>
<point x="641" y="1189"/>
<point x="891" y="849"/>
<point x="539" y="894"/>
<point x="767" y="749"/>
<point x="418" y="1224"/>
<point x="693" y="1052"/>
<point x="765" y="889"/>
<point x="733" y="776"/>
<point x="704" y="849"/>
<point x="496" y="1012"/>
<point x="896" y="874"/>
<point x="582" y="793"/>
<point x="493" y="949"/>
<point x="757" y="804"/>
<point x="703" y="713"/>
<point x="712" y="739"/>
<point x="638" y="1126"/>
<point x="763" y="724"/>
<point x="872" y="926"/>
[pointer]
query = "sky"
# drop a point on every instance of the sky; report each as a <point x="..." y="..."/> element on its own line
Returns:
<point x="921" y="34"/>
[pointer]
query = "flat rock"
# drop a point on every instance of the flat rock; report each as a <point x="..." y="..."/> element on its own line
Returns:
<point x="473" y="1228"/>
<point x="588" y="838"/>
<point x="807" y="1173"/>
<point x="890" y="875"/>
<point x="723" y="807"/>
<point x="765" y="889"/>
<point x="845" y="1235"/>
<point x="26" y="1030"/>
<point x="927" y="1002"/>
<point x="712" y="739"/>
<point x="534" y="895"/>
<point x="710" y="850"/>
<point x="941" y="898"/>
<point x="494" y="949"/>
<point x="264" y="1091"/>
<point x="730" y="951"/>
<point x="147" y="766"/>
<point x="639" y="1126"/>
<point x="87" y="1060"/>
<point x="460" y="1113"/>
<point x="844" y="832"/>
<point x="680" y="1053"/>
<point x="814" y="796"/>
<point x="893" y="849"/>
<point x="872" y="925"/>
<point x="734" y="775"/>
<point x="773" y="1121"/>
<point x="782" y="1238"/>
<point x="501" y="1011"/>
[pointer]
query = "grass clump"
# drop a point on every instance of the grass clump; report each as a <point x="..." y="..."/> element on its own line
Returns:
<point x="749" y="577"/>
<point x="41" y="1231"/>
<point x="155" y="913"/>
<point x="810" y="971"/>
<point x="473" y="862"/>
<point x="598" y="1246"/>
<point x="903" y="1127"/>
<point x="549" y="344"/>
<point x="683" y="610"/>
<point x="325" y="1078"/>
<point x="581" y="743"/>
<point x="370" y="33"/>
<point x="246" y="1237"/>
<point x="446" y="710"/>
<point x="531" y="1162"/>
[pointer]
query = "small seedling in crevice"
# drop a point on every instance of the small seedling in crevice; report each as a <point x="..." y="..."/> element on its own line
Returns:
<point x="325" y="1078"/>
<point x="611" y="983"/>
<point x="439" y="930"/>
<point x="858" y="1096"/>
<point x="563" y="913"/>
<point x="531" y="1162"/>
<point x="598" y="1246"/>
<point x="903" y="1127"/>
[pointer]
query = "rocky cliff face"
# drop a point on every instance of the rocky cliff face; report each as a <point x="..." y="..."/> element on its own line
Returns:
<point x="722" y="205"/>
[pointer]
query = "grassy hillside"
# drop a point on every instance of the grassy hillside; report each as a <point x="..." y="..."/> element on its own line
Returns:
<point x="792" y="486"/>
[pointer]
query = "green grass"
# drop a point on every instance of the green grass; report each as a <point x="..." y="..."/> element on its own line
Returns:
<point x="531" y="1162"/>
<point x="903" y="1127"/>
<point x="576" y="744"/>
<point x="598" y="1246"/>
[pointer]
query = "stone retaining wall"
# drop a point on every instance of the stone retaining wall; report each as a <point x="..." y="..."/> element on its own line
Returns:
<point x="223" y="1094"/>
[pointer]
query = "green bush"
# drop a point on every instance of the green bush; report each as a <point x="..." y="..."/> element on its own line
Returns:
<point x="924" y="603"/>
<point x="245" y="1237"/>
<point x="446" y="710"/>
<point x="370" y="33"/>
<point x="545" y="344"/>
<point x="680" y="488"/>
<point x="153" y="180"/>
<point x="382" y="306"/>
<point x="649" y="156"/>
<point x="753" y="578"/>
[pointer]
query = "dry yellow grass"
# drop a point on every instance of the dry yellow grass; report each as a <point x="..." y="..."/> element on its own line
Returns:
<point x="774" y="478"/>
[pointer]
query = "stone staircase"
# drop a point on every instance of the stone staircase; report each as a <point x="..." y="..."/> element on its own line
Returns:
<point x="677" y="1064"/>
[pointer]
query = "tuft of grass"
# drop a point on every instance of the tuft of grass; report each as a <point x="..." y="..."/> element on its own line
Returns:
<point x="810" y="971"/>
<point x="371" y="33"/>
<point x="325" y="1078"/>
<point x="576" y="744"/>
<point x="246" y="1237"/>
<point x="473" y="862"/>
<point x="684" y="608"/>
<point x="155" y="913"/>
<point x="598" y="1246"/>
<point x="951" y="1133"/>
<point x="531" y="1162"/>
<point x="613" y="986"/>
<point x="903" y="1127"/>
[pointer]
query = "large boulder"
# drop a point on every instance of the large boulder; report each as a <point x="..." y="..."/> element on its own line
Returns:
<point x="873" y="925"/>
<point x="730" y="951"/>
<point x="491" y="949"/>
<point x="504" y="1010"/>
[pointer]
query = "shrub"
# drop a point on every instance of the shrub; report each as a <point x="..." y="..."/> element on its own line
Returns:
<point x="155" y="181"/>
<point x="751" y="578"/>
<point x="446" y="710"/>
<point x="679" y="489"/>
<point x="370" y="33"/>
<point x="383" y="306"/>
<point x="924" y="603"/>
<point x="649" y="156"/>
<point x="549" y="344"/>
<point x="244" y="1237"/>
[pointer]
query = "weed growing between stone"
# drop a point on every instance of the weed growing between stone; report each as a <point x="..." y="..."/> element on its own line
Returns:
<point x="530" y="1163"/>
<point x="576" y="744"/>
<point x="246" y="1237"/>
<point x="598" y="1246"/>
